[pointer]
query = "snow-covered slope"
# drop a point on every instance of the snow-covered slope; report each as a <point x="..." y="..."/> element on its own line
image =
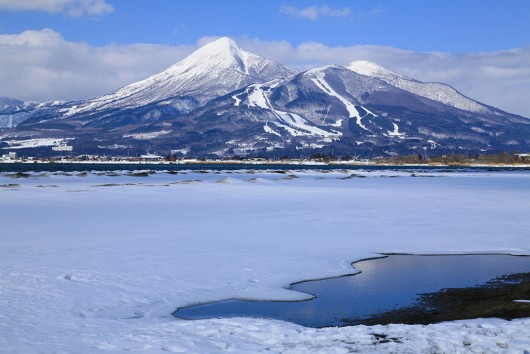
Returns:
<point x="320" y="102"/>
<point x="311" y="98"/>
<point x="432" y="90"/>
<point x="331" y="109"/>
<point x="14" y="112"/>
<point x="213" y="70"/>
<point x="7" y="103"/>
<point x="8" y="111"/>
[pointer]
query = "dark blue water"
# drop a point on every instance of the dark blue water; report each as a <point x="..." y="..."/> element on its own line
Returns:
<point x="73" y="167"/>
<point x="384" y="284"/>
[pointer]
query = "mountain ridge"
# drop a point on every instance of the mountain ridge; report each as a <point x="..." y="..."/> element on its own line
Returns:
<point x="433" y="90"/>
<point x="222" y="100"/>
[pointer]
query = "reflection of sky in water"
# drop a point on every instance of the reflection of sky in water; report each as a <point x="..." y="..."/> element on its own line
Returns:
<point x="384" y="284"/>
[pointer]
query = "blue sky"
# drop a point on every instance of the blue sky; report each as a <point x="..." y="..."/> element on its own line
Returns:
<point x="421" y="25"/>
<point x="78" y="49"/>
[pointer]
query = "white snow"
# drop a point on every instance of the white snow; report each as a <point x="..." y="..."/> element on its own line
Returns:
<point x="257" y="97"/>
<point x="297" y="125"/>
<point x="292" y="122"/>
<point x="337" y="124"/>
<point x="98" y="263"/>
<point x="270" y="130"/>
<point x="350" y="107"/>
<point x="33" y="143"/>
<point x="432" y="90"/>
<point x="147" y="136"/>
<point x="395" y="132"/>
<point x="237" y="99"/>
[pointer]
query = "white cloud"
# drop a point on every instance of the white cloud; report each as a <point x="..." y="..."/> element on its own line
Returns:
<point x="42" y="65"/>
<point x="74" y="8"/>
<point x="315" y="12"/>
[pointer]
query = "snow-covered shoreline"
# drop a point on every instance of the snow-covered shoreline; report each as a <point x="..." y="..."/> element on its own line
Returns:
<point x="100" y="262"/>
<point x="243" y="163"/>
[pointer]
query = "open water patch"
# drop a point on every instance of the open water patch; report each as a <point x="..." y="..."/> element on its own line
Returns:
<point x="397" y="289"/>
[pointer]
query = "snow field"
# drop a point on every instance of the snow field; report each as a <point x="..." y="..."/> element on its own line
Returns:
<point x="99" y="263"/>
<point x="293" y="123"/>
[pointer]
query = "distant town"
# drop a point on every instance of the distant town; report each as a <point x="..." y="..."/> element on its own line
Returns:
<point x="502" y="159"/>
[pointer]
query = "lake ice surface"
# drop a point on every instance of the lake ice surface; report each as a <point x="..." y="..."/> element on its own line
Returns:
<point x="100" y="262"/>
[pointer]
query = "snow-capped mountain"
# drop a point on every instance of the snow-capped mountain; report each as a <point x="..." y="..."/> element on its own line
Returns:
<point x="333" y="109"/>
<point x="222" y="101"/>
<point x="432" y="90"/>
<point x="213" y="70"/>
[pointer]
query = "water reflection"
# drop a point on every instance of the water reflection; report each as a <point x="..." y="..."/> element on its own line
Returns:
<point x="383" y="284"/>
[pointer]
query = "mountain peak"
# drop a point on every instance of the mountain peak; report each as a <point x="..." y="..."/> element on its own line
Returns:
<point x="369" y="68"/>
<point x="222" y="53"/>
<point x="221" y="46"/>
<point x="222" y="42"/>
<point x="322" y="69"/>
<point x="215" y="69"/>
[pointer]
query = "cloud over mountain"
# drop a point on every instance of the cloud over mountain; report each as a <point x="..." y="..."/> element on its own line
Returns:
<point x="42" y="65"/>
<point x="315" y="12"/>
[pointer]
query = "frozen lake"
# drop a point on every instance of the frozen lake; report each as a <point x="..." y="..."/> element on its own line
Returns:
<point x="99" y="261"/>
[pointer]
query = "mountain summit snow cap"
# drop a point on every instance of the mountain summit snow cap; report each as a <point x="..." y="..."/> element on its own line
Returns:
<point x="220" y="44"/>
<point x="372" y="69"/>
<point x="221" y="52"/>
<point x="211" y="71"/>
